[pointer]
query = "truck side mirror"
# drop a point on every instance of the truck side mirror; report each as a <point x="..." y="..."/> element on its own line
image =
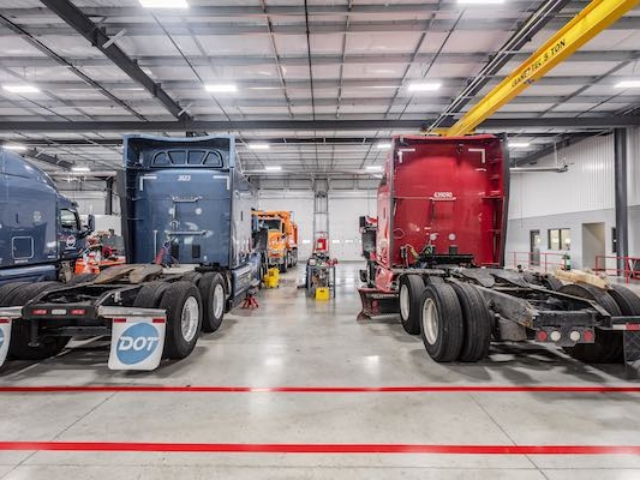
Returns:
<point x="90" y="227"/>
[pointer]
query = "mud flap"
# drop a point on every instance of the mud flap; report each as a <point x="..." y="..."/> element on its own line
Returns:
<point x="5" y="338"/>
<point x="137" y="343"/>
<point x="632" y="352"/>
<point x="376" y="303"/>
<point x="7" y="316"/>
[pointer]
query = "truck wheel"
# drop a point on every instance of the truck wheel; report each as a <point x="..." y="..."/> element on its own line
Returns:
<point x="442" y="322"/>
<point x="627" y="301"/>
<point x="82" y="278"/>
<point x="214" y="299"/>
<point x="7" y="291"/>
<point x="477" y="323"/>
<point x="411" y="288"/>
<point x="150" y="295"/>
<point x="183" y="305"/>
<point x="19" y="348"/>
<point x="551" y="282"/>
<point x="193" y="277"/>
<point x="608" y="347"/>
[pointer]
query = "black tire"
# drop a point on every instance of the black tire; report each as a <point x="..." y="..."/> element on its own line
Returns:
<point x="82" y="278"/>
<point x="608" y="346"/>
<point x="19" y="348"/>
<point x="210" y="286"/>
<point x="551" y="282"/>
<point x="150" y="295"/>
<point x="176" y="346"/>
<point x="444" y="342"/>
<point x="412" y="287"/>
<point x="477" y="323"/>
<point x="193" y="277"/>
<point x="627" y="301"/>
<point x="7" y="292"/>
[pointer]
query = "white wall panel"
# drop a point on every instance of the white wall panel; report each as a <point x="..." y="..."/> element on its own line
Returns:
<point x="92" y="202"/>
<point x="345" y="209"/>
<point x="301" y="203"/>
<point x="587" y="186"/>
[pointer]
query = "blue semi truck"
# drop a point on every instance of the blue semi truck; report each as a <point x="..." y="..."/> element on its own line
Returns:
<point x="186" y="221"/>
<point x="41" y="235"/>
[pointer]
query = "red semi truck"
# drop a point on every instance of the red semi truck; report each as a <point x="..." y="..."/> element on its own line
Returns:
<point x="435" y="255"/>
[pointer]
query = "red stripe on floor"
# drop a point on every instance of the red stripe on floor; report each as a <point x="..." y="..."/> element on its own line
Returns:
<point x="399" y="389"/>
<point x="323" y="448"/>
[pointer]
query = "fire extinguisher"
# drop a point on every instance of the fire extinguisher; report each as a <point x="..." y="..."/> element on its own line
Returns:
<point x="566" y="261"/>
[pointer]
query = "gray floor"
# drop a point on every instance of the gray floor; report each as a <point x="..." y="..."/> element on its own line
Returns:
<point x="294" y="341"/>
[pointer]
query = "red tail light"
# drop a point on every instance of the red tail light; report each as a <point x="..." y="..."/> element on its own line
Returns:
<point x="542" y="336"/>
<point x="40" y="312"/>
<point x="119" y="320"/>
<point x="588" y="336"/>
<point x="159" y="320"/>
<point x="79" y="311"/>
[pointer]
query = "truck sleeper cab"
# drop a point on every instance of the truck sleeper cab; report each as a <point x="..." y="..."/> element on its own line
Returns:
<point x="41" y="235"/>
<point x="187" y="231"/>
<point x="435" y="255"/>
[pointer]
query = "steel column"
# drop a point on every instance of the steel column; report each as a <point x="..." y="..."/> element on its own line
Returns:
<point x="108" y="206"/>
<point x="622" y="210"/>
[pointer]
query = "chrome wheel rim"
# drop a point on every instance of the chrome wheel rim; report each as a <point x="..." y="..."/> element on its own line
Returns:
<point x="218" y="301"/>
<point x="430" y="321"/>
<point x="189" y="319"/>
<point x="404" y="302"/>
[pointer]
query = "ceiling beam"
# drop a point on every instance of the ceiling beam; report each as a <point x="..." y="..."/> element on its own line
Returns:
<point x="611" y="121"/>
<point x="94" y="34"/>
<point x="321" y="83"/>
<point x="368" y="10"/>
<point x="208" y="28"/>
<point x="630" y="98"/>
<point x="297" y="60"/>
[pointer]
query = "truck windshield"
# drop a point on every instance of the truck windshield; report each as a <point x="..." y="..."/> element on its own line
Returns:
<point x="273" y="224"/>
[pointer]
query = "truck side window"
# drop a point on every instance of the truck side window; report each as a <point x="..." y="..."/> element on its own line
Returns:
<point x="196" y="157"/>
<point x="178" y="157"/>
<point x="69" y="219"/>
<point x="161" y="160"/>
<point x="214" y="159"/>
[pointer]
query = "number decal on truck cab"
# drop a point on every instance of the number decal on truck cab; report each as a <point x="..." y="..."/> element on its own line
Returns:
<point x="184" y="178"/>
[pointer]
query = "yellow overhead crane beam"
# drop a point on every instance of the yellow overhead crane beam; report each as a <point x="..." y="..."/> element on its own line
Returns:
<point x="596" y="17"/>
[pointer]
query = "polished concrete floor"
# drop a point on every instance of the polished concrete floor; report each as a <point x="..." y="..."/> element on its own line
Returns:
<point x="294" y="341"/>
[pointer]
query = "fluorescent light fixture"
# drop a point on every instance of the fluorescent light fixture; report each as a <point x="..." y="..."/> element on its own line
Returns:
<point x="273" y="168"/>
<point x="164" y="3"/>
<point x="221" y="88"/>
<point x="480" y="2"/>
<point x="374" y="168"/>
<point x="424" y="86"/>
<point x="628" y="84"/>
<point x="519" y="144"/>
<point x="21" y="88"/>
<point x="259" y="146"/>
<point x="80" y="169"/>
<point x="383" y="146"/>
<point x="15" y="148"/>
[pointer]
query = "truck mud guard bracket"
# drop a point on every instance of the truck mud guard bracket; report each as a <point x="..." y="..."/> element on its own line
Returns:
<point x="376" y="303"/>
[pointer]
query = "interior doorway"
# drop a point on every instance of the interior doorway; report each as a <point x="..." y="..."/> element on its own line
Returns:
<point x="593" y="243"/>
<point x="535" y="241"/>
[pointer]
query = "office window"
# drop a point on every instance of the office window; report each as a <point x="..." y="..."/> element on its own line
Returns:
<point x="560" y="239"/>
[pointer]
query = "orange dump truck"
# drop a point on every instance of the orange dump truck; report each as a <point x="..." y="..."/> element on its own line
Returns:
<point x="283" y="238"/>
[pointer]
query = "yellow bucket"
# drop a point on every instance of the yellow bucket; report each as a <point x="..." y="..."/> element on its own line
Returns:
<point x="323" y="293"/>
<point x="272" y="278"/>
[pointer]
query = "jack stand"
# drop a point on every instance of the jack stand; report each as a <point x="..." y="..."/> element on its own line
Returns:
<point x="250" y="301"/>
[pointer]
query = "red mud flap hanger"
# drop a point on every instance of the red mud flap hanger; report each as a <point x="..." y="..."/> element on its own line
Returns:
<point x="377" y="303"/>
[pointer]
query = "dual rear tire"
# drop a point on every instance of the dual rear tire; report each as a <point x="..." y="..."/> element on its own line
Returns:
<point x="452" y="318"/>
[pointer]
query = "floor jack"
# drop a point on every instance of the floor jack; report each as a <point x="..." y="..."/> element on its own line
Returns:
<point x="250" y="302"/>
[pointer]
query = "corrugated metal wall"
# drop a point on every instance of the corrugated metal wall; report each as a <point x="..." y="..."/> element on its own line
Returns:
<point x="587" y="186"/>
